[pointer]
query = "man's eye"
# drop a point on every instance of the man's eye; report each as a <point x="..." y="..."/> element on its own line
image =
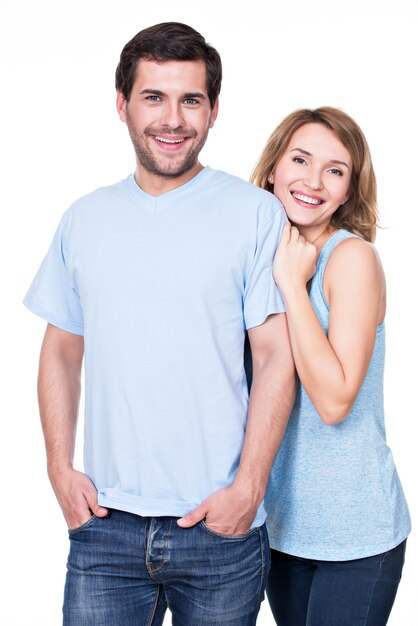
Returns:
<point x="191" y="101"/>
<point x="153" y="98"/>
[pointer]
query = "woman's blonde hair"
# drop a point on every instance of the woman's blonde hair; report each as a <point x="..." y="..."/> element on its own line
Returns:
<point x="359" y="213"/>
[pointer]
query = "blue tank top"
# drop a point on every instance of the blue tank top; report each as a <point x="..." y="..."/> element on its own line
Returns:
<point x="334" y="493"/>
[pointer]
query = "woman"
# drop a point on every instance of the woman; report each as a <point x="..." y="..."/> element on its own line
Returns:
<point x="337" y="516"/>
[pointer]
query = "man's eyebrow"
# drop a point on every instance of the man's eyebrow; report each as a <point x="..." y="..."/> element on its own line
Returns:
<point x="195" y="94"/>
<point x="154" y="92"/>
<point x="158" y="92"/>
<point x="309" y="154"/>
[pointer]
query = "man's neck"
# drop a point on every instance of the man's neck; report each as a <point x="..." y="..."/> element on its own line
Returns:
<point x="156" y="185"/>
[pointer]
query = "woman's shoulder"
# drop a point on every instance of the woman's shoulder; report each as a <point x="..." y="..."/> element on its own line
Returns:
<point x="353" y="254"/>
<point x="354" y="266"/>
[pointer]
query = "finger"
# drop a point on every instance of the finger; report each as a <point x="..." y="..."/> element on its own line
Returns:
<point x="294" y="234"/>
<point x="100" y="511"/>
<point x="310" y="249"/>
<point x="94" y="506"/>
<point x="77" y="514"/>
<point x="192" y="518"/>
<point x="285" y="233"/>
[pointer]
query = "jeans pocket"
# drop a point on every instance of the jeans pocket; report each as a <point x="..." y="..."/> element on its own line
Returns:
<point x="72" y="531"/>
<point x="213" y="533"/>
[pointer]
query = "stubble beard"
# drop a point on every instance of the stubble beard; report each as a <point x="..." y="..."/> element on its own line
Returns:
<point x="166" y="167"/>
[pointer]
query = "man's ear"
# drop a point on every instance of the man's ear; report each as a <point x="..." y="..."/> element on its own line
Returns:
<point x="121" y="105"/>
<point x="214" y="113"/>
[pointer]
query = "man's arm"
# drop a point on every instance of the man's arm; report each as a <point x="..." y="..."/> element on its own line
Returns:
<point x="59" y="395"/>
<point x="232" y="510"/>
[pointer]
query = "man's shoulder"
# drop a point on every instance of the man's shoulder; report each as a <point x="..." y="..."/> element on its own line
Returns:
<point x="93" y="203"/>
<point x="89" y="209"/>
<point x="244" y="189"/>
<point x="103" y="193"/>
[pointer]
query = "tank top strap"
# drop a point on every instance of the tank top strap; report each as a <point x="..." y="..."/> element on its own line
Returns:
<point x="317" y="281"/>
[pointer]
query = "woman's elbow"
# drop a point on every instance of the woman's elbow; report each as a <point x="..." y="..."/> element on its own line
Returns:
<point x="332" y="413"/>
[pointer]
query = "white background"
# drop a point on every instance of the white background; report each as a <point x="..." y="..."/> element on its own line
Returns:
<point x="60" y="138"/>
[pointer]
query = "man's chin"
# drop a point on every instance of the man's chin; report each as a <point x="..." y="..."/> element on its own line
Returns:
<point x="170" y="172"/>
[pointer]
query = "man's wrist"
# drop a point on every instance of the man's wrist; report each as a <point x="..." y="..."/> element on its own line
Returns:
<point x="58" y="470"/>
<point x="249" y="489"/>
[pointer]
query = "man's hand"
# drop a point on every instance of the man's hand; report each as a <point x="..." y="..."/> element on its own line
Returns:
<point x="229" y="511"/>
<point x="77" y="497"/>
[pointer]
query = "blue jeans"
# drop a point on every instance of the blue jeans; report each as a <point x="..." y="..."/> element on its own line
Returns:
<point x="126" y="569"/>
<point x="305" y="592"/>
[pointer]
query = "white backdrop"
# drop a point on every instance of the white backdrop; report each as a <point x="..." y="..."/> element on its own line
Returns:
<point x="60" y="138"/>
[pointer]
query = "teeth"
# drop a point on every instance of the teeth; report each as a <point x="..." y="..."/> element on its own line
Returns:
<point x="306" y="199"/>
<point x="163" y="140"/>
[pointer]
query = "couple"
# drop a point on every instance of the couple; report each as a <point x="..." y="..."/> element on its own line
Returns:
<point x="155" y="282"/>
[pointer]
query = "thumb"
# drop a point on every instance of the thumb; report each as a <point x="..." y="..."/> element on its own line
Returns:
<point x="98" y="511"/>
<point x="193" y="517"/>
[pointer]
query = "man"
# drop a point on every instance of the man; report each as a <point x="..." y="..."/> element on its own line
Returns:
<point x="155" y="280"/>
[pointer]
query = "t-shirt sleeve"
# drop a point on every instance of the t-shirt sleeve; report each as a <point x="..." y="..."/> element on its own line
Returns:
<point x="262" y="297"/>
<point x="52" y="295"/>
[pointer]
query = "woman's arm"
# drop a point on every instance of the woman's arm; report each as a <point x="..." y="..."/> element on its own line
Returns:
<point x="332" y="369"/>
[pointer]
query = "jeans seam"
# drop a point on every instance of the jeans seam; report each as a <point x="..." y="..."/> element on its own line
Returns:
<point x="213" y="533"/>
<point x="148" y="562"/>
<point x="154" y="607"/>
<point x="152" y="570"/>
<point x="382" y="556"/>
<point x="72" y="531"/>
<point x="263" y="565"/>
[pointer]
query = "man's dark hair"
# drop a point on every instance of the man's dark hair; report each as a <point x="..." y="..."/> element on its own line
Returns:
<point x="169" y="41"/>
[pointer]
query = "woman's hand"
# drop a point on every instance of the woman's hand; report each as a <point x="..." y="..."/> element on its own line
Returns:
<point x="295" y="260"/>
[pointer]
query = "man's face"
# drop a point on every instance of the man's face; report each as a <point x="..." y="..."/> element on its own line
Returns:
<point x="168" y="117"/>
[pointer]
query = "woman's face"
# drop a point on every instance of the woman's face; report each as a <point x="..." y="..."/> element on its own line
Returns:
<point x="312" y="177"/>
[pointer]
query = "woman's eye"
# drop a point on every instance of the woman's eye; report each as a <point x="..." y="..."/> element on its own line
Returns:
<point x="336" y="171"/>
<point x="299" y="160"/>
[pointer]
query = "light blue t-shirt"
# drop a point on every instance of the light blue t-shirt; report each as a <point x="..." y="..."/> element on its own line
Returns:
<point x="163" y="289"/>
<point x="334" y="493"/>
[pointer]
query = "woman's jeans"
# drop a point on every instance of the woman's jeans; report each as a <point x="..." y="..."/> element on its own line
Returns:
<point x="126" y="569"/>
<point x="305" y="592"/>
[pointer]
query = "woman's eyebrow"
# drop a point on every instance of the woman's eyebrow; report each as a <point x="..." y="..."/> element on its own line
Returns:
<point x="309" y="154"/>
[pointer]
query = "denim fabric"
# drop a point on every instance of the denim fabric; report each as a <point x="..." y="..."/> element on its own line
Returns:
<point x="361" y="592"/>
<point x="126" y="570"/>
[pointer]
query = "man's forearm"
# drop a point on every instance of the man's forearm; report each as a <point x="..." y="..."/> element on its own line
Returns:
<point x="231" y="510"/>
<point x="271" y="400"/>
<point x="59" y="395"/>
